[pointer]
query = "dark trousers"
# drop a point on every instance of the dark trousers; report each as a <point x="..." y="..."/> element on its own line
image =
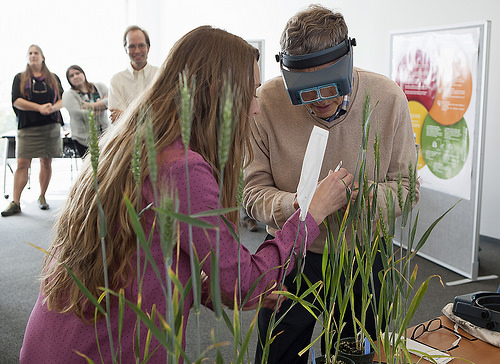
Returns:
<point x="297" y="326"/>
<point x="82" y="149"/>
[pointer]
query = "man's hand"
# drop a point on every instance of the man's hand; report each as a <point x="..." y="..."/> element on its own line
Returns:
<point x="330" y="194"/>
<point x="115" y="114"/>
<point x="355" y="192"/>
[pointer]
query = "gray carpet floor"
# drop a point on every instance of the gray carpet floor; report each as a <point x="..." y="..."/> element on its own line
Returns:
<point x="20" y="264"/>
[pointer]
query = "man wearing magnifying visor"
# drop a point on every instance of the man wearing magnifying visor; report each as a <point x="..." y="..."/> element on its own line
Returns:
<point x="319" y="87"/>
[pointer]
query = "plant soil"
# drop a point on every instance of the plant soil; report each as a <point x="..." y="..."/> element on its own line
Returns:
<point x="349" y="347"/>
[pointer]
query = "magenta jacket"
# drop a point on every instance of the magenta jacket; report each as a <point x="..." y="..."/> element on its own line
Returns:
<point x="52" y="337"/>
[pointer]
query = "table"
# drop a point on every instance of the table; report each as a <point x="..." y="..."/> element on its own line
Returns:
<point x="478" y="351"/>
<point x="69" y="151"/>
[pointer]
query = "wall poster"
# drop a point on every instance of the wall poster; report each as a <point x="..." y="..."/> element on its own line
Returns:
<point x="260" y="45"/>
<point x="444" y="72"/>
<point x="437" y="71"/>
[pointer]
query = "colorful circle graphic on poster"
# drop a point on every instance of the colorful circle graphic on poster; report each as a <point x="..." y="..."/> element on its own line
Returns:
<point x="418" y="113"/>
<point x="454" y="87"/>
<point x="445" y="147"/>
<point x="416" y="75"/>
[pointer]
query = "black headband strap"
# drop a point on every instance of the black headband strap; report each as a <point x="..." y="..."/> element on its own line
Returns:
<point x="316" y="58"/>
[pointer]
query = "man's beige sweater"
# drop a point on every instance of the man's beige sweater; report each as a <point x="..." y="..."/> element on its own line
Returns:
<point x="281" y="131"/>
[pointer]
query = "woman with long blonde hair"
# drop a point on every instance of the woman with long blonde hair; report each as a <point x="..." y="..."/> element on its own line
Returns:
<point x="59" y="325"/>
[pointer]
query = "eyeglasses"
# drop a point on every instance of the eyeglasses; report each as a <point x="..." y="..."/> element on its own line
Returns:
<point x="141" y="46"/>
<point x="318" y="93"/>
<point x="435" y="325"/>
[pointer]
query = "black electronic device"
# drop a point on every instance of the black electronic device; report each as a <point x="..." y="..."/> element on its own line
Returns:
<point x="481" y="309"/>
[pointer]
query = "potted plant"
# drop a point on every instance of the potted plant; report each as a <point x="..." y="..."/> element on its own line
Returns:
<point x="371" y="231"/>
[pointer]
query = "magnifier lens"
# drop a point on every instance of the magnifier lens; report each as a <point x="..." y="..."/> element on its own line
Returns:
<point x="328" y="91"/>
<point x="309" y="96"/>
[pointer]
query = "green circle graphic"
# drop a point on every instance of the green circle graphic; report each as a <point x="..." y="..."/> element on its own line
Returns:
<point x="445" y="148"/>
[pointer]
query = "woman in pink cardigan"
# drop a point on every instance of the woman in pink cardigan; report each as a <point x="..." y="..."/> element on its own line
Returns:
<point x="62" y="327"/>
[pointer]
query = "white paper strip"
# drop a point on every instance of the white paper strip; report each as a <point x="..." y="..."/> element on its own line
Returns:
<point x="423" y="351"/>
<point x="311" y="167"/>
<point x="419" y="349"/>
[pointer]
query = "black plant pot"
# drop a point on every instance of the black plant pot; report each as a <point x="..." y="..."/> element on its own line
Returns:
<point x="356" y="356"/>
<point x="340" y="358"/>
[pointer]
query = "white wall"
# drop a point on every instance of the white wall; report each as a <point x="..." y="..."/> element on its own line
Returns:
<point x="371" y="23"/>
<point x="68" y="31"/>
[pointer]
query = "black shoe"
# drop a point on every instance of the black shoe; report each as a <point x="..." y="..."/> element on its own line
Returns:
<point x="12" y="209"/>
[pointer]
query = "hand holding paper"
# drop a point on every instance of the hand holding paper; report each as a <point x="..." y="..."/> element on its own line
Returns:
<point x="324" y="198"/>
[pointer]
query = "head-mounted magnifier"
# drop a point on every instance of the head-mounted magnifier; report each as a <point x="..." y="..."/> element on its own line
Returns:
<point x="333" y="81"/>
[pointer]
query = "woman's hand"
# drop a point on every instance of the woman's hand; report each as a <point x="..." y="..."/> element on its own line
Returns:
<point x="331" y="194"/>
<point x="98" y="106"/>
<point x="270" y="301"/>
<point x="45" y="109"/>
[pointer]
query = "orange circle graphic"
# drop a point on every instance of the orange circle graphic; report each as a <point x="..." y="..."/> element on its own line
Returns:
<point x="454" y="87"/>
